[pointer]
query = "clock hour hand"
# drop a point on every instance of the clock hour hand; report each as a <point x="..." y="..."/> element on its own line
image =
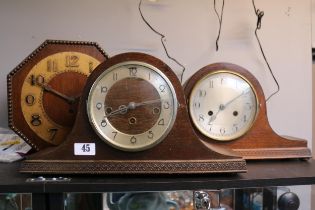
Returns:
<point x="48" y="88"/>
<point x="121" y="110"/>
<point x="213" y="117"/>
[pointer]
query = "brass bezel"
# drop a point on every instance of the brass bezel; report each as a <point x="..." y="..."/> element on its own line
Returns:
<point x="110" y="141"/>
<point x="224" y="138"/>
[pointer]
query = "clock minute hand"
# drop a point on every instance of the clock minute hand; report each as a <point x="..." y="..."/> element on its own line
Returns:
<point x="223" y="106"/>
<point x="131" y="105"/>
<point x="229" y="102"/>
<point x="48" y="88"/>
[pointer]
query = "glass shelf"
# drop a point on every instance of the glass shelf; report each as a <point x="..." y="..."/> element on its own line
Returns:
<point x="260" y="174"/>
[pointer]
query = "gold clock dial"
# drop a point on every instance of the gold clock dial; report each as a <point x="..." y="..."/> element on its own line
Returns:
<point x="51" y="91"/>
<point x="223" y="105"/>
<point x="132" y="106"/>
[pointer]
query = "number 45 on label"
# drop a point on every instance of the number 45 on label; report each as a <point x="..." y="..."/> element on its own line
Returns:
<point x="84" y="149"/>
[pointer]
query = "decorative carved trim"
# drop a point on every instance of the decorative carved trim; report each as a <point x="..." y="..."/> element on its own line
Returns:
<point x="270" y="153"/>
<point x="133" y="167"/>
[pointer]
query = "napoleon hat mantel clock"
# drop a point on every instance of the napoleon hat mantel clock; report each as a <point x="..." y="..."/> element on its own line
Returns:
<point x="132" y="119"/>
<point x="44" y="90"/>
<point x="227" y="108"/>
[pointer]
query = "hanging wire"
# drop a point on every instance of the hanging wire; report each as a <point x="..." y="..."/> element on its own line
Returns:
<point x="163" y="40"/>
<point x="220" y="18"/>
<point x="260" y="15"/>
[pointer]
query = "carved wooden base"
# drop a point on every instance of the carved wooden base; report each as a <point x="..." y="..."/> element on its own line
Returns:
<point x="274" y="153"/>
<point x="133" y="167"/>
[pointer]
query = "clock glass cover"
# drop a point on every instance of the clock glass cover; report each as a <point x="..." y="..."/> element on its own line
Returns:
<point x="223" y="105"/>
<point x="132" y="106"/>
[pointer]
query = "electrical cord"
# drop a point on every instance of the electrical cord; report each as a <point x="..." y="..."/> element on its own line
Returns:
<point x="260" y="15"/>
<point x="163" y="40"/>
<point x="220" y="18"/>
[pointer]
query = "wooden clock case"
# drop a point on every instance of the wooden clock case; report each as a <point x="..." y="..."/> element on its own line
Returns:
<point x="180" y="152"/>
<point x="260" y="142"/>
<point x="17" y="76"/>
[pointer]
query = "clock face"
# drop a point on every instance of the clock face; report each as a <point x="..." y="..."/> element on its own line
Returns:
<point x="132" y="106"/>
<point x="50" y="93"/>
<point x="223" y="105"/>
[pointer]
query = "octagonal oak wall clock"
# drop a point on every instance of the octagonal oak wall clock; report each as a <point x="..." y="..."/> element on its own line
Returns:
<point x="44" y="90"/>
<point x="227" y="108"/>
<point x="132" y="119"/>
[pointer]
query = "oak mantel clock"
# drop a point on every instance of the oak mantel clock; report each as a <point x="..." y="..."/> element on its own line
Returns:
<point x="133" y="119"/>
<point x="227" y="108"/>
<point x="44" y="90"/>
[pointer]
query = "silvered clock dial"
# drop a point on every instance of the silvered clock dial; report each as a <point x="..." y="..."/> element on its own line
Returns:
<point x="132" y="106"/>
<point x="223" y="105"/>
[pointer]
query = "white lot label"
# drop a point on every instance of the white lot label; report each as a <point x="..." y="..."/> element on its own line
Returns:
<point x="84" y="149"/>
